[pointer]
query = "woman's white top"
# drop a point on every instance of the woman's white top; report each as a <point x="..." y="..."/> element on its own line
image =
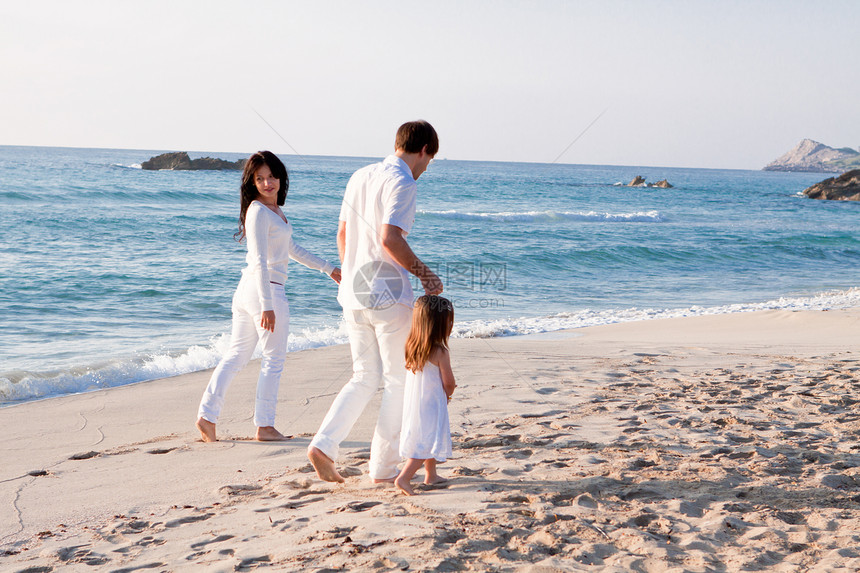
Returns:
<point x="270" y="248"/>
<point x="425" y="432"/>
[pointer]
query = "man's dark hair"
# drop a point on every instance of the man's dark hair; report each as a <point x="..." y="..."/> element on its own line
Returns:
<point x="412" y="136"/>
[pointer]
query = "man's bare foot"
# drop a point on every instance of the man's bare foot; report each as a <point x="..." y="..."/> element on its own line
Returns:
<point x="324" y="466"/>
<point x="403" y="485"/>
<point x="269" y="434"/>
<point x="207" y="430"/>
<point x="434" y="480"/>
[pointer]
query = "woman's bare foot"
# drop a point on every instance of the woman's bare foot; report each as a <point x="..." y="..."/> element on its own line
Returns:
<point x="386" y="480"/>
<point x="324" y="466"/>
<point x="434" y="480"/>
<point x="403" y="485"/>
<point x="207" y="430"/>
<point x="269" y="434"/>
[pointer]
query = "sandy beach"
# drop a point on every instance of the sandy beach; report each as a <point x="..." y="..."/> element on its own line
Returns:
<point x="714" y="443"/>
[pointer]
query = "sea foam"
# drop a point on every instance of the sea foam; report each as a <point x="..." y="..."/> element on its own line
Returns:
<point x="550" y="216"/>
<point x="20" y="387"/>
<point x="24" y="386"/>
<point x="580" y="319"/>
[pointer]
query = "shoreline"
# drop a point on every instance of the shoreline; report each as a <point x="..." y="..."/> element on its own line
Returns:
<point x="499" y="328"/>
<point x="698" y="442"/>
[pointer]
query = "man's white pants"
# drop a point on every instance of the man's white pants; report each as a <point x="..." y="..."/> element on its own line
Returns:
<point x="247" y="331"/>
<point x="377" y="340"/>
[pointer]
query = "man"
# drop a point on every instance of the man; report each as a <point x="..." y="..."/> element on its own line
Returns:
<point x="377" y="213"/>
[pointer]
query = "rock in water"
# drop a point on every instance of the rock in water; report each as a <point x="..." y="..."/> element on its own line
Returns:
<point x="638" y="181"/>
<point x="179" y="161"/>
<point x="846" y="187"/>
<point x="216" y="164"/>
<point x="664" y="184"/>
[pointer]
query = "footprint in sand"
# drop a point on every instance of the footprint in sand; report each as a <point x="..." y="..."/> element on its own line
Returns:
<point x="188" y="519"/>
<point x="218" y="539"/>
<point x="155" y="565"/>
<point x="132" y="527"/>
<point x="491" y="441"/>
<point x="149" y="540"/>
<point x="357" y="506"/>
<point x="80" y="554"/>
<point x="519" y="454"/>
<point x="159" y="451"/>
<point x="464" y="471"/>
<point x="240" y="489"/>
<point x="543" y="414"/>
<point x="336" y="533"/>
<point x="84" y="456"/>
<point x="293" y="504"/>
<point x="252" y="562"/>
<point x="433" y="486"/>
<point x="350" y="472"/>
<point x="515" y="498"/>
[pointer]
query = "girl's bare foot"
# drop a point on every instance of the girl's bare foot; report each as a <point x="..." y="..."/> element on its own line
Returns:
<point x="269" y="434"/>
<point x="434" y="480"/>
<point x="403" y="485"/>
<point x="207" y="430"/>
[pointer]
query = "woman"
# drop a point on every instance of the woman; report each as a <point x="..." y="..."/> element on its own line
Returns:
<point x="260" y="308"/>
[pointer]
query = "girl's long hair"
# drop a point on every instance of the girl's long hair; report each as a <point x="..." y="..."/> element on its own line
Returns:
<point x="248" y="190"/>
<point x="432" y="321"/>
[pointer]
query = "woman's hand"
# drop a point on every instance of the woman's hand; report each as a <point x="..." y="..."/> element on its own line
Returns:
<point x="268" y="320"/>
<point x="335" y="275"/>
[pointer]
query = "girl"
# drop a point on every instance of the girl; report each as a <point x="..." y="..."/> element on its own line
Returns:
<point x="260" y="308"/>
<point x="425" y="435"/>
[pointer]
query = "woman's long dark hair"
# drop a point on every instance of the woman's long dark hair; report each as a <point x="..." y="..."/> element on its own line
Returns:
<point x="248" y="190"/>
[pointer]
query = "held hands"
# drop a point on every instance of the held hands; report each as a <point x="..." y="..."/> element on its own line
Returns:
<point x="335" y="275"/>
<point x="268" y="320"/>
<point x="432" y="284"/>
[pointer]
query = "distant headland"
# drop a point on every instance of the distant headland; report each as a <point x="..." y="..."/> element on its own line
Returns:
<point x="812" y="156"/>
<point x="179" y="161"/>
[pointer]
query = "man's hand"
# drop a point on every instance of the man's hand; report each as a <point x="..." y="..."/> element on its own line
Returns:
<point x="396" y="246"/>
<point x="432" y="284"/>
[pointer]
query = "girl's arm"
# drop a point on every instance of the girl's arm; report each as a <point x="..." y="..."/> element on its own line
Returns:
<point x="301" y="255"/>
<point x="444" y="364"/>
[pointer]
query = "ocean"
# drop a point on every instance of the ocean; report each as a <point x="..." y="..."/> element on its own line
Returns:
<point x="111" y="275"/>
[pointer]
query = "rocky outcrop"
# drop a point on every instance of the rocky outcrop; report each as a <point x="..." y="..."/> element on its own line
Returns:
<point x="816" y="157"/>
<point x="846" y="187"/>
<point x="180" y="161"/>
<point x="639" y="181"/>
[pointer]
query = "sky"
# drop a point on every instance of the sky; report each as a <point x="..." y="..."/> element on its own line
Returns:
<point x="646" y="83"/>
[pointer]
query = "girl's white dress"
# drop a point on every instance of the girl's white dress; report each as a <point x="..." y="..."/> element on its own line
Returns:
<point x="425" y="432"/>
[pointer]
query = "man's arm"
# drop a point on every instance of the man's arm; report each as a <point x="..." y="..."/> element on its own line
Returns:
<point x="399" y="250"/>
<point x="341" y="240"/>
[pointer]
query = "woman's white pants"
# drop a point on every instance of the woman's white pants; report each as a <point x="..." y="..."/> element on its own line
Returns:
<point x="377" y="341"/>
<point x="246" y="333"/>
